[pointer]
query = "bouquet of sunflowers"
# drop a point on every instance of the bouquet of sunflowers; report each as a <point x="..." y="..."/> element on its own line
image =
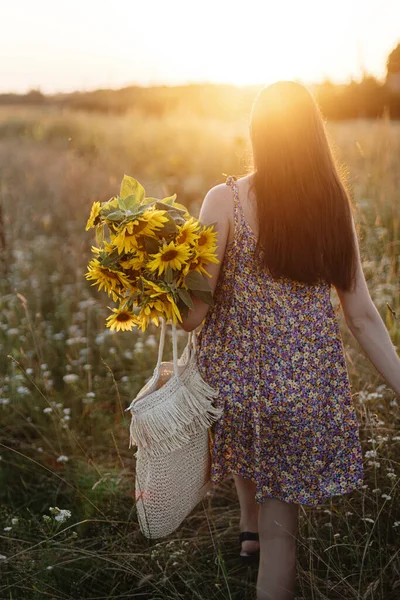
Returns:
<point x="150" y="257"/>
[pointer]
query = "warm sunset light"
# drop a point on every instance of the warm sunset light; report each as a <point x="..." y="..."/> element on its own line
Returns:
<point x="199" y="299"/>
<point x="86" y="45"/>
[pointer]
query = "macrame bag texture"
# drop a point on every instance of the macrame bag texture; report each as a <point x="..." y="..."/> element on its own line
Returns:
<point x="170" y="426"/>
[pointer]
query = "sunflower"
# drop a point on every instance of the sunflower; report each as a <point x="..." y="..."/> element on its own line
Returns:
<point x="122" y="320"/>
<point x="107" y="247"/>
<point x="201" y="259"/>
<point x="165" y="296"/>
<point x="113" y="282"/>
<point x="147" y="224"/>
<point x="207" y="239"/>
<point x="94" y="216"/>
<point x="152" y="311"/>
<point x="170" y="255"/>
<point x="136" y="262"/>
<point x="188" y="233"/>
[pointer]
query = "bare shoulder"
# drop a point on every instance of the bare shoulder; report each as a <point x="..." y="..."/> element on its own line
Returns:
<point x="220" y="194"/>
<point x="218" y="202"/>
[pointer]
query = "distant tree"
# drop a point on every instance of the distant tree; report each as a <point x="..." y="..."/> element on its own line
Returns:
<point x="393" y="61"/>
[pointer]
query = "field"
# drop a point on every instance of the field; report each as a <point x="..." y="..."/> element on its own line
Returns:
<point x="65" y="379"/>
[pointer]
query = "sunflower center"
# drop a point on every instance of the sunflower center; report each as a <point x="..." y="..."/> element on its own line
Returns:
<point x="123" y="316"/>
<point x="202" y="239"/>
<point x="182" y="237"/>
<point x="110" y="274"/>
<point x="132" y="274"/>
<point x="170" y="255"/>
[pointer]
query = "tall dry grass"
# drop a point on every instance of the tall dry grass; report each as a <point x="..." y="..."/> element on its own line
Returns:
<point x="65" y="379"/>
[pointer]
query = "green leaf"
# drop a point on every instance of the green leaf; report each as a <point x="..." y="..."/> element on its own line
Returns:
<point x="169" y="200"/>
<point x="132" y="203"/>
<point x="169" y="274"/>
<point x="206" y="297"/>
<point x="131" y="187"/>
<point x="183" y="309"/>
<point x="121" y="203"/>
<point x="185" y="297"/>
<point x="116" y="215"/>
<point x="111" y="259"/>
<point x="196" y="281"/>
<point x="151" y="245"/>
<point x="164" y="206"/>
<point x="100" y="235"/>
<point x="168" y="228"/>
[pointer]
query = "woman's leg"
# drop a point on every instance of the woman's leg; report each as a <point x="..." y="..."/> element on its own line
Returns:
<point x="278" y="527"/>
<point x="248" y="510"/>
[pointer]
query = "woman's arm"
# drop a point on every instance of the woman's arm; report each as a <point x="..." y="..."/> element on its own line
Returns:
<point x="215" y="209"/>
<point x="365" y="323"/>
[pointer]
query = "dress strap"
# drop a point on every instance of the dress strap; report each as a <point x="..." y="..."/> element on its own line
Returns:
<point x="237" y="209"/>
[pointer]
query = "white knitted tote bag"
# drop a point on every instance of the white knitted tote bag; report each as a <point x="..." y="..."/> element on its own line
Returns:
<point x="171" y="417"/>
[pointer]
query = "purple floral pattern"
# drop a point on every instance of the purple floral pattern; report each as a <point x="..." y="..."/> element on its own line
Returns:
<point x="273" y="350"/>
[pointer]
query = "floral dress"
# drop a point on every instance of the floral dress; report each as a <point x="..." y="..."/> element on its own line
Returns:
<point x="273" y="349"/>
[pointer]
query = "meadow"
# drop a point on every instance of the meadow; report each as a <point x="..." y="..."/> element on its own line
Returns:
<point x="68" y="528"/>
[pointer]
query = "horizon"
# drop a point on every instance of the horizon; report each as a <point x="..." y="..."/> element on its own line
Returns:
<point x="158" y="45"/>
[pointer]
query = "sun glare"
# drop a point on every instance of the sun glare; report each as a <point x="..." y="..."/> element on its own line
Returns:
<point x="239" y="43"/>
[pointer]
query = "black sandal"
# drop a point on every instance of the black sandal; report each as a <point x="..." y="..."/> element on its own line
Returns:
<point x="249" y="557"/>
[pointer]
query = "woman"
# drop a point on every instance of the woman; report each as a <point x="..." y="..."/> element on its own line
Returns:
<point x="271" y="342"/>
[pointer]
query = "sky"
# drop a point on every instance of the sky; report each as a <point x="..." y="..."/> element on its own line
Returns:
<point x="86" y="44"/>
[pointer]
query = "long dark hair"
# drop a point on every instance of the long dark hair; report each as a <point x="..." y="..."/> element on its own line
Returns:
<point x="302" y="204"/>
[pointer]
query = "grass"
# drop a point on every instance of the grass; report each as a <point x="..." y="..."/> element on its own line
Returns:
<point x="65" y="379"/>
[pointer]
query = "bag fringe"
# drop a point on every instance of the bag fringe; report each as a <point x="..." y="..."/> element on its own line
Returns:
<point x="167" y="427"/>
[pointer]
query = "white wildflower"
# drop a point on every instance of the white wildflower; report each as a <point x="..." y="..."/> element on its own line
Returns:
<point x="396" y="523"/>
<point x="47" y="409"/>
<point x="13" y="331"/>
<point x="67" y="411"/>
<point x="367" y="520"/>
<point x="151" y="341"/>
<point x="71" y="378"/>
<point x="58" y="336"/>
<point x="2" y="557"/>
<point x="62" y="458"/>
<point x="60" y="514"/>
<point x="374" y="463"/>
<point x="29" y="371"/>
<point x="376" y="491"/>
<point x="139" y="346"/>
<point x="7" y="528"/>
<point x="14" y="521"/>
<point x="23" y="391"/>
<point x="43" y="366"/>
<point x="370" y="454"/>
<point x="386" y="497"/>
<point x="4" y="401"/>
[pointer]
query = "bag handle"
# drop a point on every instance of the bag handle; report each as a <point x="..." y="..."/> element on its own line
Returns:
<point x="191" y="342"/>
